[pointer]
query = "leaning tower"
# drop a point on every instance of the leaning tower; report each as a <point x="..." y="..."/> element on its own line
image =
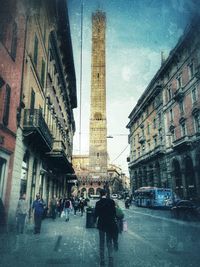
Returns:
<point x="98" y="124"/>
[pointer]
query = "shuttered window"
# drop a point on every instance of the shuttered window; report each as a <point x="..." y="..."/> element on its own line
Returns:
<point x="6" y="105"/>
<point x="35" y="55"/>
<point x="42" y="72"/>
<point x="13" y="50"/>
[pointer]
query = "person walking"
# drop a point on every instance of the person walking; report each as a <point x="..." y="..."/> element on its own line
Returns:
<point x="76" y="205"/>
<point x="67" y="206"/>
<point x="53" y="207"/>
<point x="106" y="213"/>
<point x="21" y="212"/>
<point x="38" y="209"/>
<point x="82" y="205"/>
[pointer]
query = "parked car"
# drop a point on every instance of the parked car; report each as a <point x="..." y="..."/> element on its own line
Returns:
<point x="185" y="209"/>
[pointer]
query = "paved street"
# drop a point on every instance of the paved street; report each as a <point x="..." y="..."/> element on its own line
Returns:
<point x="153" y="239"/>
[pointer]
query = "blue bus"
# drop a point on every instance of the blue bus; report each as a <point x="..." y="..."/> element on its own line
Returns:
<point x="153" y="197"/>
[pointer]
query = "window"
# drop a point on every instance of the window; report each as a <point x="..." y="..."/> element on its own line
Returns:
<point x="50" y="55"/>
<point x="2" y="175"/>
<point x="191" y="70"/>
<point x="174" y="135"/>
<point x="171" y="115"/>
<point x="148" y="129"/>
<point x="149" y="146"/>
<point x="169" y="92"/>
<point x="155" y="141"/>
<point x="197" y="123"/>
<point x="181" y="107"/>
<point x="54" y="69"/>
<point x="159" y="118"/>
<point x="160" y="135"/>
<point x="97" y="155"/>
<point x="138" y="152"/>
<point x="179" y="82"/>
<point x="32" y="104"/>
<point x="134" y="154"/>
<point x="143" y="132"/>
<point x="1" y="82"/>
<point x="43" y="72"/>
<point x="13" y="50"/>
<point x="194" y="95"/>
<point x="183" y="129"/>
<point x="35" y="55"/>
<point x="154" y="123"/>
<point x="6" y="105"/>
<point x="147" y="111"/>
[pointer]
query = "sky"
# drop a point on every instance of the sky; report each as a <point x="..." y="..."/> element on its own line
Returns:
<point x="136" y="33"/>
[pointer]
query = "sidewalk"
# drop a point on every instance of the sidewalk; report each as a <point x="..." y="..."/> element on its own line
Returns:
<point x="59" y="244"/>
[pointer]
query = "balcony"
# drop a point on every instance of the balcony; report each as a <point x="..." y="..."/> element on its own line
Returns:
<point x="58" y="159"/>
<point x="36" y="131"/>
<point x="182" y="142"/>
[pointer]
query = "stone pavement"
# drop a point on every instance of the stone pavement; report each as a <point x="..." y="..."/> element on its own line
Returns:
<point x="59" y="244"/>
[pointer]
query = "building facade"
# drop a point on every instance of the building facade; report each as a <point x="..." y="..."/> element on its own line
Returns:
<point x="98" y="124"/>
<point x="164" y="125"/>
<point x="44" y="139"/>
<point x="87" y="185"/>
<point x="12" y="37"/>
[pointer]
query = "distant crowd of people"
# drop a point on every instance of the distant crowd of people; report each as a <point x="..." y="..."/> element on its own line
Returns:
<point x="61" y="207"/>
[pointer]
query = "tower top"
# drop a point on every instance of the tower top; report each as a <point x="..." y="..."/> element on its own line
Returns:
<point x="98" y="15"/>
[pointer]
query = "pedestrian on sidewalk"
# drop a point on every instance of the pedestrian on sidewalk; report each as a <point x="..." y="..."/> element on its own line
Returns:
<point x="106" y="213"/>
<point x="38" y="209"/>
<point x="76" y="205"/>
<point x="67" y="207"/>
<point x="53" y="207"/>
<point x="21" y="212"/>
<point x="81" y="205"/>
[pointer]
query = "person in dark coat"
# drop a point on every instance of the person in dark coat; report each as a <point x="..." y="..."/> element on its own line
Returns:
<point x="106" y="213"/>
<point x="38" y="208"/>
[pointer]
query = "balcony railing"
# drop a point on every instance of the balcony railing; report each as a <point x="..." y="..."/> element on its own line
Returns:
<point x="34" y="121"/>
<point x="183" y="141"/>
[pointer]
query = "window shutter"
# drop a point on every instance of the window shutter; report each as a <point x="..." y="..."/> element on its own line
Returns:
<point x="6" y="105"/>
<point x="14" y="41"/>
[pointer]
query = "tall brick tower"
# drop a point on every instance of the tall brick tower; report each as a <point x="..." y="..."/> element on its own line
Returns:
<point x="98" y="124"/>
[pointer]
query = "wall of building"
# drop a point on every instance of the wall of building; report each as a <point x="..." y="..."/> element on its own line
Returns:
<point x="173" y="100"/>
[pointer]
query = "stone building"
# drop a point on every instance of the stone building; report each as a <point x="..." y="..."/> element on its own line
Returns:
<point x="98" y="124"/>
<point x="164" y="125"/>
<point x="43" y="155"/>
<point x="87" y="185"/>
<point x="12" y="36"/>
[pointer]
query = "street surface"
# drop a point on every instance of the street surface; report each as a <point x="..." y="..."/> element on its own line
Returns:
<point x="153" y="239"/>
